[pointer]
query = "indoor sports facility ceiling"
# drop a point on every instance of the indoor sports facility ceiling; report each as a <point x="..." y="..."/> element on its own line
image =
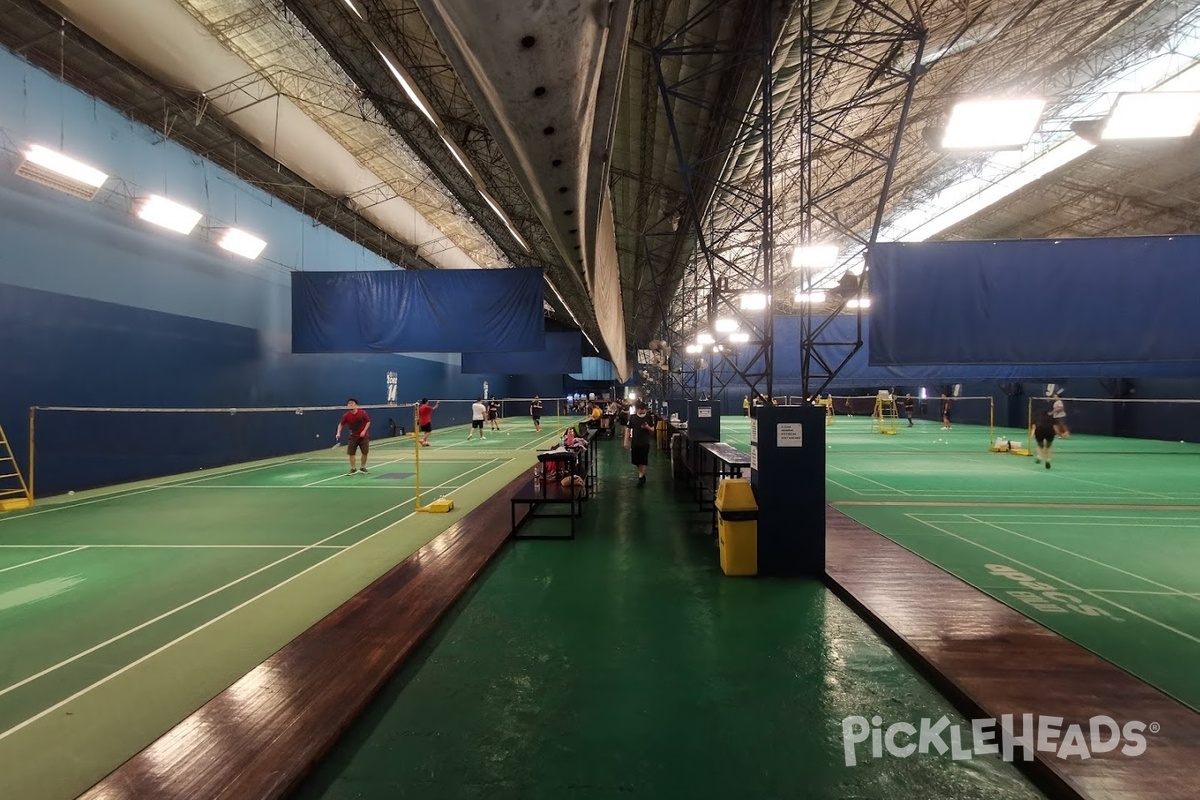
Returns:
<point x="479" y="133"/>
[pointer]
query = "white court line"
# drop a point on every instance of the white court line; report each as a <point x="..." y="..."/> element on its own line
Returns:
<point x="1040" y="517"/>
<point x="167" y="484"/>
<point x="45" y="558"/>
<point x="891" y="489"/>
<point x="207" y="623"/>
<point x="347" y="474"/>
<point x="179" y="546"/>
<point x="842" y="485"/>
<point x="1089" y="559"/>
<point x="1139" y="591"/>
<point x="1063" y="581"/>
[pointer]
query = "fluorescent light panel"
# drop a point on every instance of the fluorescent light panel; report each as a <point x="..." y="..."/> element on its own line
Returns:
<point x="753" y="301"/>
<point x="809" y="297"/>
<point x="354" y="8"/>
<point x="705" y="338"/>
<point x="814" y="256"/>
<point x="457" y="156"/>
<point x="241" y="243"/>
<point x="992" y="124"/>
<point x="407" y="87"/>
<point x="503" y="218"/>
<point x="65" y="166"/>
<point x="857" y="303"/>
<point x="739" y="338"/>
<point x="1153" y="115"/>
<point x="725" y="325"/>
<point x="168" y="214"/>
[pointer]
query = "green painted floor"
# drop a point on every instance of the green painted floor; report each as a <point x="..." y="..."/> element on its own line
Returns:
<point x="123" y="610"/>
<point x="1101" y="548"/>
<point x="624" y="664"/>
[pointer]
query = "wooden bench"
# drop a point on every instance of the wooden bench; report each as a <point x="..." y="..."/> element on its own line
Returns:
<point x="549" y="493"/>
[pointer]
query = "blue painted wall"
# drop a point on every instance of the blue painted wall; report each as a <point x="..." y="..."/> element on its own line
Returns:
<point x="98" y="308"/>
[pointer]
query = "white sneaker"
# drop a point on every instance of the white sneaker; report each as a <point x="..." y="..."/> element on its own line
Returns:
<point x="945" y="428"/>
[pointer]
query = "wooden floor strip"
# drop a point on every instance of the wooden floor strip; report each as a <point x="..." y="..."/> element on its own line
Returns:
<point x="991" y="660"/>
<point x="262" y="735"/>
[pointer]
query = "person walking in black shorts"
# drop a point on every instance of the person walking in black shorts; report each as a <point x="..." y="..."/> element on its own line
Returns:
<point x="1043" y="434"/>
<point x="535" y="411"/>
<point x="638" y="436"/>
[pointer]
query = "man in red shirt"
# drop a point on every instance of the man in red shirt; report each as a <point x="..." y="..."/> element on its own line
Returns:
<point x="358" y="423"/>
<point x="425" y="419"/>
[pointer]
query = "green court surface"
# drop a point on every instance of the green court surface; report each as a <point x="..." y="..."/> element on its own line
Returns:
<point x="1101" y="548"/>
<point x="123" y="610"/>
<point x="624" y="664"/>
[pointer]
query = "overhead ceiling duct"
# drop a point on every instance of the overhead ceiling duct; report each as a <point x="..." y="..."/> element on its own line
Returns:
<point x="165" y="41"/>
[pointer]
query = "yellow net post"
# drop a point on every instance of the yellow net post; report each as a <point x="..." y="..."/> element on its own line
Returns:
<point x="1029" y="422"/>
<point x="442" y="504"/>
<point x="32" y="413"/>
<point x="828" y="403"/>
<point x="991" y="419"/>
<point x="14" y="495"/>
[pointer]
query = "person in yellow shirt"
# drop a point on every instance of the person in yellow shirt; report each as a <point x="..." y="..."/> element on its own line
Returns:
<point x="746" y="405"/>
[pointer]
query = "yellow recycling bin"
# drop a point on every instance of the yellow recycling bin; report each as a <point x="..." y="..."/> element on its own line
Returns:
<point x="737" y="527"/>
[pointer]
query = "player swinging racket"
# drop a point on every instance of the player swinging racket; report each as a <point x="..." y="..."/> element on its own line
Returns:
<point x="358" y="423"/>
<point x="425" y="419"/>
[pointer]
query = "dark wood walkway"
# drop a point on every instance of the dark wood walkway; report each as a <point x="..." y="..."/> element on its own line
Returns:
<point x="263" y="734"/>
<point x="991" y="660"/>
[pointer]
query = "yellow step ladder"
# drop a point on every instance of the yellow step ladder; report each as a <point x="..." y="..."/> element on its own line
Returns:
<point x="14" y="495"/>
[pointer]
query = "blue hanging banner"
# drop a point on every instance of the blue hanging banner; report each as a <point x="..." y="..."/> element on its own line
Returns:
<point x="418" y="311"/>
<point x="561" y="355"/>
<point x="1069" y="301"/>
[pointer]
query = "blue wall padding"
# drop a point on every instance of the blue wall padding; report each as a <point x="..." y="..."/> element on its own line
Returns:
<point x="422" y="311"/>
<point x="563" y="354"/>
<point x="76" y="351"/>
<point x="1112" y="301"/>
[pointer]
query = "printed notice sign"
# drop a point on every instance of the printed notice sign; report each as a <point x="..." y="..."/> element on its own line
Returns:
<point x="754" y="457"/>
<point x="789" y="434"/>
<point x="754" y="430"/>
<point x="704" y="411"/>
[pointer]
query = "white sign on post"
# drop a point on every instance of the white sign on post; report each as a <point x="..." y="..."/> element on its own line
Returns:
<point x="754" y="456"/>
<point x="789" y="434"/>
<point x="753" y="430"/>
<point x="704" y="411"/>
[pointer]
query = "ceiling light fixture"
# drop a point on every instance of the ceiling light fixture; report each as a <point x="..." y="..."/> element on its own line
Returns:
<point x="1153" y="115"/>
<point x="52" y="168"/>
<point x="725" y="325"/>
<point x="814" y="256"/>
<point x="241" y="243"/>
<point x="753" y="301"/>
<point x="992" y="124"/>
<point x="168" y="214"/>
<point x="406" y="85"/>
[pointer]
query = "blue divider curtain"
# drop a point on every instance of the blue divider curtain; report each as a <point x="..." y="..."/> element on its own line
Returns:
<point x="1118" y="301"/>
<point x="425" y="311"/>
<point x="562" y="354"/>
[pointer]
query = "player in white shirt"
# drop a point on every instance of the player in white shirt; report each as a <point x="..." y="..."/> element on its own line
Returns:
<point x="478" y="415"/>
